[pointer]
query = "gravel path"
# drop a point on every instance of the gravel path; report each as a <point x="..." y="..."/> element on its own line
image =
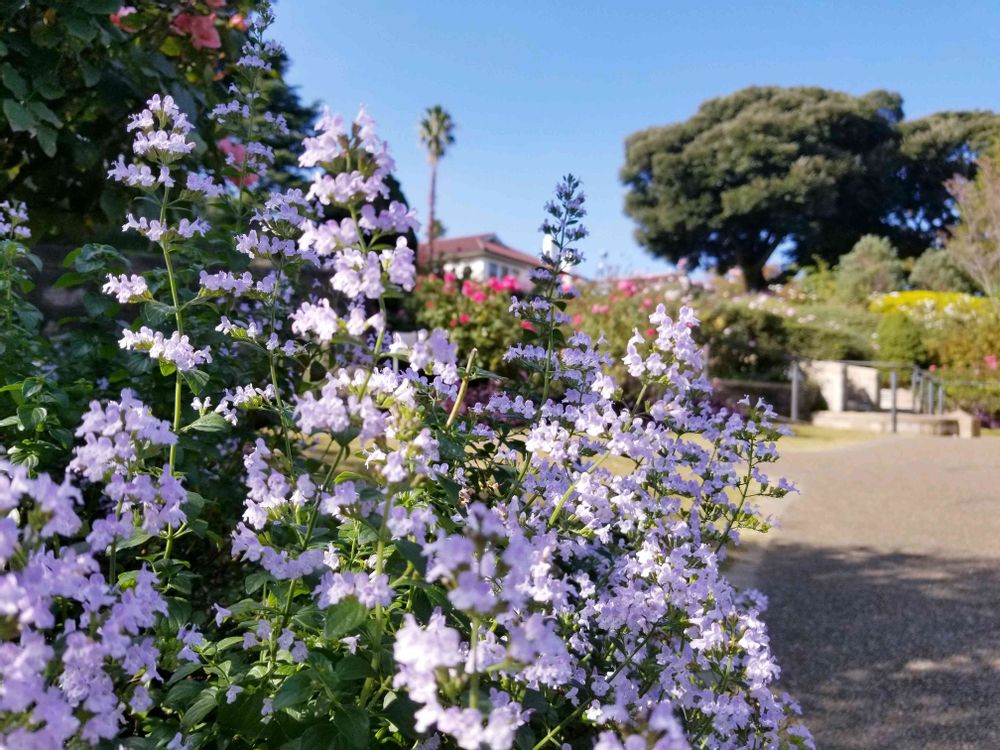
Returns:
<point x="884" y="588"/>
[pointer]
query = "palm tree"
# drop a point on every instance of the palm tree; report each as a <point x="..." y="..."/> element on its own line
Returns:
<point x="437" y="133"/>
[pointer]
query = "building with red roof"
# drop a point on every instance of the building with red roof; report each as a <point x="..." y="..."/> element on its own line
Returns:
<point x="484" y="255"/>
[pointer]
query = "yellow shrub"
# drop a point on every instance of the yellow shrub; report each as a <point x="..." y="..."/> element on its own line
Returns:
<point x="931" y="308"/>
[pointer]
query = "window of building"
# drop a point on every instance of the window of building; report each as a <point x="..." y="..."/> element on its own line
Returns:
<point x="491" y="270"/>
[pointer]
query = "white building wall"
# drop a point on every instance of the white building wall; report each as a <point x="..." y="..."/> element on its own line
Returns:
<point x="481" y="266"/>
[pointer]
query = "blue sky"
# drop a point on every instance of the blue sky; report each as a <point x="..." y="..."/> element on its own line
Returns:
<point x="538" y="89"/>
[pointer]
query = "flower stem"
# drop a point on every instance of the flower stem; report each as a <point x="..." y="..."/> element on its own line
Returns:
<point x="462" y="389"/>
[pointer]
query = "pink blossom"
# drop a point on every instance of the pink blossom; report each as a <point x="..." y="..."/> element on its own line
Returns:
<point x="237" y="155"/>
<point x="117" y="16"/>
<point x="991" y="361"/>
<point x="201" y="29"/>
<point x="627" y="287"/>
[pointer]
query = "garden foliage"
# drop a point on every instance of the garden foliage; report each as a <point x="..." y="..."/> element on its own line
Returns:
<point x="871" y="267"/>
<point x="805" y="169"/>
<point x="285" y="533"/>
<point x="72" y="70"/>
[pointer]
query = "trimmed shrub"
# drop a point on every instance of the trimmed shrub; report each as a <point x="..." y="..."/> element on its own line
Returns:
<point x="899" y="339"/>
<point x="744" y="343"/>
<point x="937" y="271"/>
<point x="872" y="267"/>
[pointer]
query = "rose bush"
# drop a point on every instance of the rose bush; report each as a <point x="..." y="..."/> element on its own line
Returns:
<point x="285" y="533"/>
<point x="476" y="315"/>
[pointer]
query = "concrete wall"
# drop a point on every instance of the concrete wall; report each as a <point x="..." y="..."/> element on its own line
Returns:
<point x="845" y="387"/>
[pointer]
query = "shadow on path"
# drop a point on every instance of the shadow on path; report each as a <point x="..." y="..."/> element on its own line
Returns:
<point x="887" y="650"/>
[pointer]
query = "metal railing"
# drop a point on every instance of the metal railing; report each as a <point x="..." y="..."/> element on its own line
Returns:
<point x="927" y="389"/>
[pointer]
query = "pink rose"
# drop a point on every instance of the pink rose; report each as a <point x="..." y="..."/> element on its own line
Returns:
<point x="991" y="361"/>
<point x="117" y="16"/>
<point x="201" y="29"/>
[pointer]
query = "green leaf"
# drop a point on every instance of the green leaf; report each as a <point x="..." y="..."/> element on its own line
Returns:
<point x="70" y="278"/>
<point x="95" y="257"/>
<point x="319" y="737"/>
<point x="242" y="716"/>
<point x="81" y="27"/>
<point x="255" y="581"/>
<point x="412" y="554"/>
<point x="42" y="112"/>
<point x="14" y="81"/>
<point x="156" y="312"/>
<point x="184" y="670"/>
<point x="210" y="422"/>
<point x="178" y="612"/>
<point x="202" y="707"/>
<point x="343" y="617"/>
<point x="31" y="416"/>
<point x="31" y="387"/>
<point x="100" y="7"/>
<point x="295" y="690"/>
<point x="49" y="87"/>
<point x="90" y="72"/>
<point x="183" y="693"/>
<point x="353" y="725"/>
<point x="401" y="712"/>
<point x="228" y="642"/>
<point x="353" y="668"/>
<point x="138" y="538"/>
<point x="19" y="117"/>
<point x="47" y="139"/>
<point x="167" y="367"/>
<point x="172" y="46"/>
<point x="96" y="304"/>
<point x="196" y="380"/>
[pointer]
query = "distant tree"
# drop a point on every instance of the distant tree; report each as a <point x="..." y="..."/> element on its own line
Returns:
<point x="872" y="267"/>
<point x="437" y="133"/>
<point x="937" y="270"/>
<point x="975" y="243"/>
<point x="806" y="169"/>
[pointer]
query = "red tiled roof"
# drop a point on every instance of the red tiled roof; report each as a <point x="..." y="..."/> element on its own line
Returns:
<point x="474" y="245"/>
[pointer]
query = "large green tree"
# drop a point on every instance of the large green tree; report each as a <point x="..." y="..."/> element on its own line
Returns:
<point x="806" y="169"/>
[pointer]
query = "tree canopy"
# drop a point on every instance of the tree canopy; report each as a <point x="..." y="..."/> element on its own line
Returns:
<point x="804" y="168"/>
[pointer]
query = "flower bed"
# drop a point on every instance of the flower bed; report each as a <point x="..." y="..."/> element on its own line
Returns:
<point x="385" y="570"/>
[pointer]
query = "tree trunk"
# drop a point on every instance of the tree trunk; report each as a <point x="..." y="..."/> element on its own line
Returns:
<point x="430" y="216"/>
<point x="753" y="275"/>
